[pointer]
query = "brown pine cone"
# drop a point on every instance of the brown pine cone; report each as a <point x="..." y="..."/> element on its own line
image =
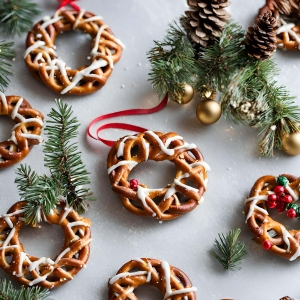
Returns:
<point x="286" y="298"/>
<point x="260" y="40"/>
<point x="206" y="20"/>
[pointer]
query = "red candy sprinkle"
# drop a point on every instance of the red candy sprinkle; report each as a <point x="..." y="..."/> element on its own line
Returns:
<point x="133" y="184"/>
<point x="291" y="213"/>
<point x="267" y="245"/>
<point x="272" y="197"/>
<point x="280" y="207"/>
<point x="287" y="198"/>
<point x="272" y="204"/>
<point x="279" y="190"/>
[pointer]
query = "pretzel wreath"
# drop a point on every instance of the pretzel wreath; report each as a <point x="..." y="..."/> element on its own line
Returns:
<point x="288" y="32"/>
<point x="172" y="282"/>
<point x="43" y="62"/>
<point x="281" y="193"/>
<point x="26" y="132"/>
<point x="160" y="203"/>
<point x="45" y="272"/>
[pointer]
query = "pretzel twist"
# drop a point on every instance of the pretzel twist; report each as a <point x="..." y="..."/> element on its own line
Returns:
<point x="42" y="61"/>
<point x="172" y="282"/>
<point x="157" y="146"/>
<point x="31" y="270"/>
<point x="26" y="132"/>
<point x="285" y="242"/>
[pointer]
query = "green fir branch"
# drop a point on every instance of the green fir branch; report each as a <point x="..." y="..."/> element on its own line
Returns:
<point x="9" y="292"/>
<point x="16" y="16"/>
<point x="229" y="250"/>
<point x="6" y="53"/>
<point x="63" y="158"/>
<point x="172" y="63"/>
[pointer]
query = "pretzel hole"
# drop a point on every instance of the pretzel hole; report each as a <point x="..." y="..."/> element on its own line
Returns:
<point x="148" y="292"/>
<point x="49" y="239"/>
<point x="8" y="258"/>
<point x="134" y="150"/>
<point x="73" y="47"/>
<point x="28" y="276"/>
<point x="6" y="126"/>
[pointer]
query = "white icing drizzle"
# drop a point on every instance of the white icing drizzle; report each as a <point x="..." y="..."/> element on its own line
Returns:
<point x="4" y="101"/>
<point x="124" y="274"/>
<point x="67" y="211"/>
<point x="253" y="205"/>
<point x="6" y="217"/>
<point x="292" y="193"/>
<point x="34" y="46"/>
<point x="61" y="255"/>
<point x="131" y="165"/>
<point x="286" y="235"/>
<point x="288" y="28"/>
<point x="201" y="163"/>
<point x="147" y="148"/>
<point x="8" y="239"/>
<point x="47" y="20"/>
<point x="149" y="266"/>
<point x="78" y="223"/>
<point x="14" y="113"/>
<point x="142" y="193"/>
<point x="120" y="151"/>
<point x="296" y="254"/>
<point x="81" y="13"/>
<point x="167" y="151"/>
<point x="41" y="278"/>
<point x="91" y="19"/>
<point x="97" y="40"/>
<point x="169" y="292"/>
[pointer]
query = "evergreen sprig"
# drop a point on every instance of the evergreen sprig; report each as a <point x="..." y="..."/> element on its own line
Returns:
<point x="68" y="178"/>
<point x="6" y="53"/>
<point x="230" y="250"/>
<point x="16" y="16"/>
<point x="8" y="292"/>
<point x="63" y="158"/>
<point x="173" y="63"/>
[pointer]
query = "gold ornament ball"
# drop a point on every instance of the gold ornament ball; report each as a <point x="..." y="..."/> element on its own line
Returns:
<point x="208" y="111"/>
<point x="291" y="143"/>
<point x="188" y="94"/>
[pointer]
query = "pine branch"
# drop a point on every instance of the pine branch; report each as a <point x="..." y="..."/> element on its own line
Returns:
<point x="8" y="292"/>
<point x="63" y="158"/>
<point x="6" y="52"/>
<point x="230" y="250"/>
<point x="16" y="16"/>
<point x="173" y="63"/>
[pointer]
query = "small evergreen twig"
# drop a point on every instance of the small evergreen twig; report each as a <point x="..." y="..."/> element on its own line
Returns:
<point x="6" y="52"/>
<point x="230" y="250"/>
<point x="8" y="292"/>
<point x="16" y="16"/>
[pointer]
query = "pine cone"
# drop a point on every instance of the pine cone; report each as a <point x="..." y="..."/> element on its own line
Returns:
<point x="206" y="20"/>
<point x="260" y="40"/>
<point x="286" y="298"/>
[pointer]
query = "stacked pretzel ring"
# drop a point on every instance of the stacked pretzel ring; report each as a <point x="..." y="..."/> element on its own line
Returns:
<point x="172" y="282"/>
<point x="281" y="242"/>
<point x="42" y="60"/>
<point x="45" y="272"/>
<point x="156" y="146"/>
<point x="26" y="132"/>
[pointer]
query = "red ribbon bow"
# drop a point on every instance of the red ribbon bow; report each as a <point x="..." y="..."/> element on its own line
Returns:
<point x="68" y="2"/>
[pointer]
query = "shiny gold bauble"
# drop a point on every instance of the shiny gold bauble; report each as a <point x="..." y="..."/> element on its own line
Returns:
<point x="291" y="143"/>
<point x="188" y="94"/>
<point x="208" y="111"/>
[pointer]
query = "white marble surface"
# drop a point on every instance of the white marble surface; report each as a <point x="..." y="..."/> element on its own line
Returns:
<point x="119" y="236"/>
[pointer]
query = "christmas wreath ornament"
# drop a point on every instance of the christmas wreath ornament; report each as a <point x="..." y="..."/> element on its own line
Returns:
<point x="291" y="143"/>
<point x="137" y="197"/>
<point x="171" y="281"/>
<point x="42" y="60"/>
<point x="24" y="135"/>
<point x="281" y="193"/>
<point x="45" y="272"/>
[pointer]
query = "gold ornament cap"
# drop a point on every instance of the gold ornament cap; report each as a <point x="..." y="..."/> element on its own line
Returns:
<point x="208" y="111"/>
<point x="291" y="143"/>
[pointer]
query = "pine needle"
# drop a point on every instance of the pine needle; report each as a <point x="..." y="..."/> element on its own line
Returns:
<point x="6" y="53"/>
<point x="230" y="250"/>
<point x="8" y="292"/>
<point x="16" y="16"/>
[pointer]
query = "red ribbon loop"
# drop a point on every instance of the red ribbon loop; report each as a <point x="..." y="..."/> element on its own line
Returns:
<point x="68" y="2"/>
<point x="123" y="126"/>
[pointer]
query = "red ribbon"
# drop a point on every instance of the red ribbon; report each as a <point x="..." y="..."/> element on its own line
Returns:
<point x="68" y="2"/>
<point x="124" y="126"/>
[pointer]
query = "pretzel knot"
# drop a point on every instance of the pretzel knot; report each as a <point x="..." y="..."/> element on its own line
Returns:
<point x="26" y="132"/>
<point x="167" y="203"/>
<point x="43" y="62"/>
<point x="45" y="272"/>
<point x="283" y="242"/>
<point x="172" y="282"/>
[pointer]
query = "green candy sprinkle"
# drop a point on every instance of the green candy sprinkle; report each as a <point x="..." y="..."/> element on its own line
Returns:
<point x="282" y="180"/>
